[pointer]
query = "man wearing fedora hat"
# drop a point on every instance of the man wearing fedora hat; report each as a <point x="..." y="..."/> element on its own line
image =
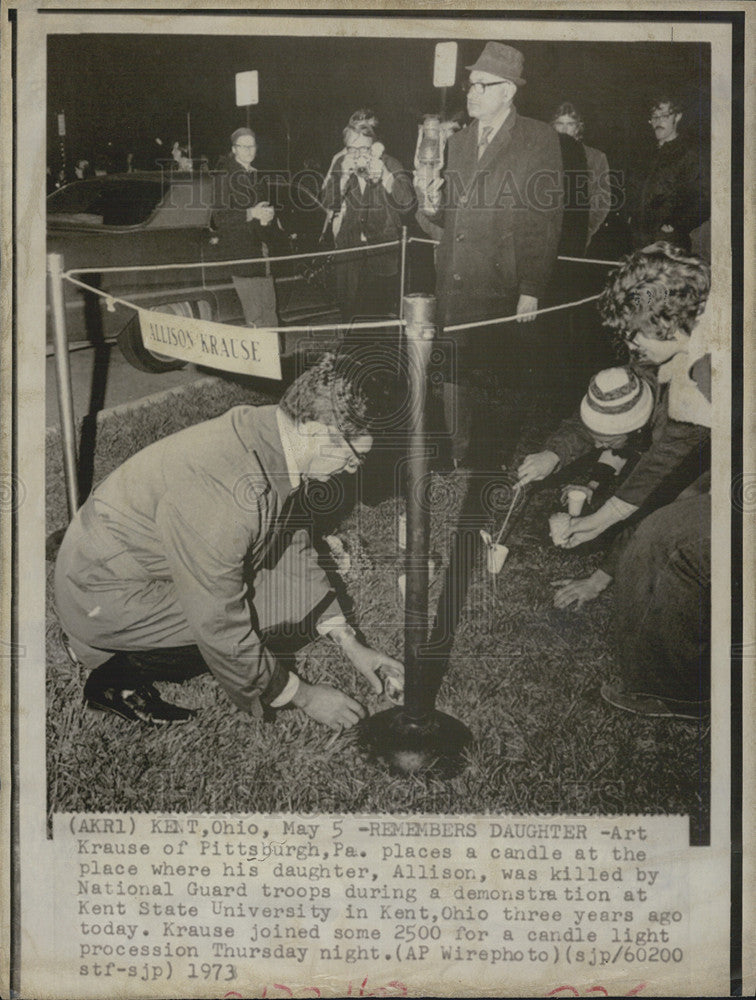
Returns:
<point x="499" y="206"/>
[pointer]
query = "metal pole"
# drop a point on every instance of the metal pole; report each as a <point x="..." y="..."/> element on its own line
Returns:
<point x="402" y="271"/>
<point x="420" y="331"/>
<point x="417" y="737"/>
<point x="63" y="379"/>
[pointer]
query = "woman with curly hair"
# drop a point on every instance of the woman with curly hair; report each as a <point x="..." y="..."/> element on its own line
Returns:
<point x="661" y="555"/>
<point x="654" y="304"/>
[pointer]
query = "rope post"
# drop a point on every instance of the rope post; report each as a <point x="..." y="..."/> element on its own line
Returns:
<point x="402" y="271"/>
<point x="416" y="737"/>
<point x="63" y="379"/>
<point x="419" y="332"/>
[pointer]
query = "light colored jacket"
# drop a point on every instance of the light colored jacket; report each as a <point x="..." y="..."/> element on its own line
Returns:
<point x="171" y="547"/>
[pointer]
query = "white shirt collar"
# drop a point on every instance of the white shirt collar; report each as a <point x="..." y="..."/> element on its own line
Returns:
<point x="286" y="429"/>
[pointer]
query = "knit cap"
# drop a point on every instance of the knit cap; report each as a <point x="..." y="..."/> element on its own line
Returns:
<point x="618" y="401"/>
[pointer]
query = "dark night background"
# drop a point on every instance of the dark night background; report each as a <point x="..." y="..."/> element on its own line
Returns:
<point x="127" y="90"/>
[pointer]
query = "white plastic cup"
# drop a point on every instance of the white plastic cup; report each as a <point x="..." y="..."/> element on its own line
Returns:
<point x="495" y="557"/>
<point x="559" y="526"/>
<point x="575" y="502"/>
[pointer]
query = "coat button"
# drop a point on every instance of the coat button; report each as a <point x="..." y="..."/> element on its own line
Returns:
<point x="457" y="277"/>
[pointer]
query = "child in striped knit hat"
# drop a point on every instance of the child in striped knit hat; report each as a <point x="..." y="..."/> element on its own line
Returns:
<point x="618" y="403"/>
<point x="612" y="415"/>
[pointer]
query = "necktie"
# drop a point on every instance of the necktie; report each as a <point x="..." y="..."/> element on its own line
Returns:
<point x="483" y="139"/>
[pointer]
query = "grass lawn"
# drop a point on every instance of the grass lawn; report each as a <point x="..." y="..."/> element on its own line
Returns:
<point x="522" y="675"/>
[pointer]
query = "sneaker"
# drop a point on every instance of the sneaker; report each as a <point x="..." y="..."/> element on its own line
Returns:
<point x="143" y="704"/>
<point x="653" y="706"/>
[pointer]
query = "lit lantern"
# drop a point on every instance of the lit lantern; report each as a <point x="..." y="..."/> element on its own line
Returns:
<point x="429" y="152"/>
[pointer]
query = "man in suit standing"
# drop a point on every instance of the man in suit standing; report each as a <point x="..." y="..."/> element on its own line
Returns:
<point x="499" y="206"/>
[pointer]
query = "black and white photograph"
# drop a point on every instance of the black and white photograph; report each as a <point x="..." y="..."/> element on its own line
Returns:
<point x="561" y="474"/>
<point x="388" y="375"/>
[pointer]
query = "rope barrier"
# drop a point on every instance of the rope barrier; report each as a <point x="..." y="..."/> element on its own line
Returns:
<point x="508" y="319"/>
<point x="113" y="300"/>
<point x="572" y="260"/>
<point x="591" y="260"/>
<point x="382" y="324"/>
<point x="227" y="263"/>
<point x="98" y="291"/>
<point x="378" y="325"/>
<point x="63" y="374"/>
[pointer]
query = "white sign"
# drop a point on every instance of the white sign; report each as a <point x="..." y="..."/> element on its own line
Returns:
<point x="242" y="349"/>
<point x="445" y="64"/>
<point x="246" y="88"/>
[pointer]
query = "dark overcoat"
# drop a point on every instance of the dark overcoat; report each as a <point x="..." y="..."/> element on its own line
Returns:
<point x="234" y="191"/>
<point x="501" y="220"/>
<point x="674" y="192"/>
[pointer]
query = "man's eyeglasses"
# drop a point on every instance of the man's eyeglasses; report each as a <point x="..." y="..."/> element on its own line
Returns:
<point x="359" y="460"/>
<point x="244" y="145"/>
<point x="659" y="118"/>
<point x="480" y="88"/>
<point x="629" y="336"/>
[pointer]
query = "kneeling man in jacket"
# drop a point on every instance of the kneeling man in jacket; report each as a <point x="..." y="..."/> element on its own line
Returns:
<point x="188" y="558"/>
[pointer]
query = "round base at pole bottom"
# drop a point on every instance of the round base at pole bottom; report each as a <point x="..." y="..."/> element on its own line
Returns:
<point x="433" y="745"/>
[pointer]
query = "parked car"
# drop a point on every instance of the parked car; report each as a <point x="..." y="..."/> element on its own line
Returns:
<point x="148" y="219"/>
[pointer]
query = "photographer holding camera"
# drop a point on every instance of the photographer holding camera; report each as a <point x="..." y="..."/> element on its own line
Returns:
<point x="366" y="193"/>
